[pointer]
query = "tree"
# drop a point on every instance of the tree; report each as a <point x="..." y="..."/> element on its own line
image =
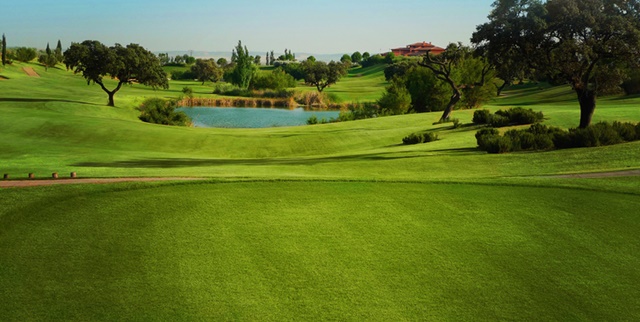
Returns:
<point x="58" y="52"/>
<point x="244" y="69"/>
<point x="448" y="66"/>
<point x="356" y="57"/>
<point x="48" y="59"/>
<point x="267" y="59"/>
<point x="257" y="60"/>
<point x="311" y="58"/>
<point x="25" y="54"/>
<point x="502" y="40"/>
<point x="590" y="42"/>
<point x="321" y="74"/>
<point x="584" y="43"/>
<point x="272" y="59"/>
<point x="222" y="62"/>
<point x="125" y="64"/>
<point x="365" y="55"/>
<point x="164" y="59"/>
<point x="206" y="70"/>
<point x="396" y="99"/>
<point x="345" y="59"/>
<point x="4" y="50"/>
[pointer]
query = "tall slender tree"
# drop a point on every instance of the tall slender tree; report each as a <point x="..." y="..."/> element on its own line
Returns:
<point x="58" y="52"/>
<point x="244" y="69"/>
<point x="4" y="50"/>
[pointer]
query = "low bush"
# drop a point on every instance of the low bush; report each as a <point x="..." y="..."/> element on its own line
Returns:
<point x="359" y="111"/>
<point x="481" y="117"/>
<point x="183" y="75"/>
<point x="498" y="144"/>
<point x="484" y="135"/>
<point x="520" y="116"/>
<point x="416" y="138"/>
<point x="497" y="120"/>
<point x="159" y="111"/>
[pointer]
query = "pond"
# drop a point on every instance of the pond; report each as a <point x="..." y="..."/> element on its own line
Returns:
<point x="240" y="117"/>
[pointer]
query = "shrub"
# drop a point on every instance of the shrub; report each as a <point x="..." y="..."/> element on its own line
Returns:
<point x="497" y="120"/>
<point x="187" y="91"/>
<point x="481" y="117"/>
<point x="520" y="116"/>
<point x="498" y="144"/>
<point x="359" y="111"/>
<point x="626" y="131"/>
<point x="483" y="136"/>
<point x="395" y="100"/>
<point x="429" y="137"/>
<point x="412" y="138"/>
<point x="183" y="75"/>
<point x="159" y="111"/>
<point x="415" y="138"/>
<point x="276" y="80"/>
<point x="312" y="120"/>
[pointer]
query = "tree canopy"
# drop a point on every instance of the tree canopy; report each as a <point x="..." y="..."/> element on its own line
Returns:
<point x="584" y="43"/>
<point x="127" y="64"/>
<point x="458" y="68"/>
<point x="206" y="70"/>
<point x="321" y="74"/>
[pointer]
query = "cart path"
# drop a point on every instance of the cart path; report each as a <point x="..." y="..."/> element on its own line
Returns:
<point x="29" y="71"/>
<point x="50" y="182"/>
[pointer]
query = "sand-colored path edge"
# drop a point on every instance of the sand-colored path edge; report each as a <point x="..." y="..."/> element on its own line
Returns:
<point x="610" y="174"/>
<point x="29" y="71"/>
<point x="36" y="183"/>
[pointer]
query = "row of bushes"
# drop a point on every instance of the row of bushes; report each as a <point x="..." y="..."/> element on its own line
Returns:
<point x="513" y="116"/>
<point x="542" y="137"/>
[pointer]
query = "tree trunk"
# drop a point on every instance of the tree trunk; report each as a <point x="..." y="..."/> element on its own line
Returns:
<point x="452" y="103"/>
<point x="587" y="99"/>
<point x="501" y="88"/>
<point x="111" y="93"/>
<point x="111" y="101"/>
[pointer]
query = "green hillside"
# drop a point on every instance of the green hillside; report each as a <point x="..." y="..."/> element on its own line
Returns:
<point x="326" y="222"/>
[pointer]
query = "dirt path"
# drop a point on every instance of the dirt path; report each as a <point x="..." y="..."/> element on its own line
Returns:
<point x="29" y="71"/>
<point x="627" y="173"/>
<point x="35" y="183"/>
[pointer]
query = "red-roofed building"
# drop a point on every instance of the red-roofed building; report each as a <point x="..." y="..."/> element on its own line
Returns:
<point x="418" y="49"/>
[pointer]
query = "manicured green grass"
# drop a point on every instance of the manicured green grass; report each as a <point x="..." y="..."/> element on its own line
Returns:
<point x="327" y="222"/>
<point x="302" y="251"/>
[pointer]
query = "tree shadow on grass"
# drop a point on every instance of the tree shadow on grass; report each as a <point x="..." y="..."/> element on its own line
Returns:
<point x="193" y="162"/>
<point x="40" y="100"/>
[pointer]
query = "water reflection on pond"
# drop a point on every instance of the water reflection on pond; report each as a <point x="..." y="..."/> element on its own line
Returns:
<point x="239" y="117"/>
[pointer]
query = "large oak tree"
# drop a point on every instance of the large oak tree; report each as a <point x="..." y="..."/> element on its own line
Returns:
<point x="127" y="64"/>
<point x="585" y="43"/>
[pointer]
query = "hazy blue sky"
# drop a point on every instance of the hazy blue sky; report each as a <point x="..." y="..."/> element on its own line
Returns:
<point x="329" y="26"/>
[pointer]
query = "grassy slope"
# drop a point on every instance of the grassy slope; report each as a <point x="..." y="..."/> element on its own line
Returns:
<point x="343" y="244"/>
<point x="282" y="251"/>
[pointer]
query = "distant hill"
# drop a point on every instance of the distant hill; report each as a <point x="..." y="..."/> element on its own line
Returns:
<point x="227" y="54"/>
